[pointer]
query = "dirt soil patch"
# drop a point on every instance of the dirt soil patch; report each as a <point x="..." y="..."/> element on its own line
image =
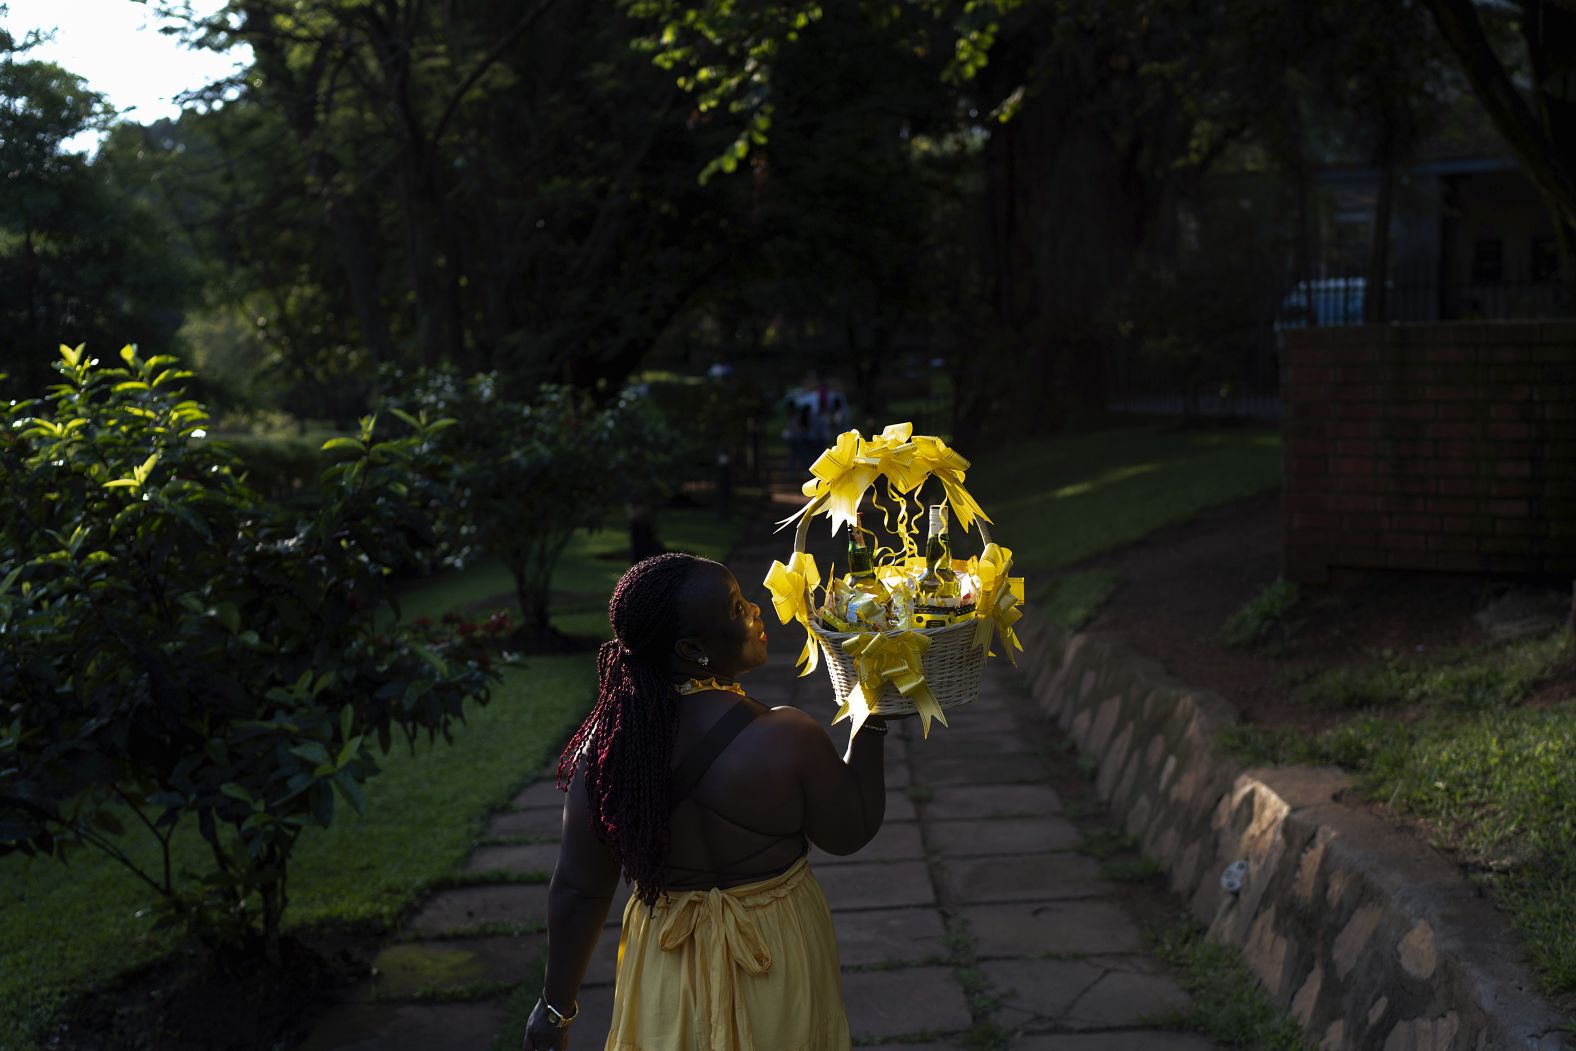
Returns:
<point x="191" y="1003"/>
<point x="1183" y="582"/>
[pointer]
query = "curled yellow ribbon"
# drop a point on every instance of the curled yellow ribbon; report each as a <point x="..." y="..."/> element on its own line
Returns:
<point x="791" y="586"/>
<point x="1000" y="597"/>
<point x="880" y="659"/>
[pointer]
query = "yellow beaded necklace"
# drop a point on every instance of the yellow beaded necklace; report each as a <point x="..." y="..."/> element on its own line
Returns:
<point x="689" y="686"/>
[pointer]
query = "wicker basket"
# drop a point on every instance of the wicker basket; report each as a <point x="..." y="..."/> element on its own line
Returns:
<point x="952" y="665"/>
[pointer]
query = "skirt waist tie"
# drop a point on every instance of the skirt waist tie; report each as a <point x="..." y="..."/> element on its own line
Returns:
<point x="720" y="922"/>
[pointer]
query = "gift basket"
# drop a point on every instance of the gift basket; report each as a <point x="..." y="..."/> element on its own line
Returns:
<point x="908" y="628"/>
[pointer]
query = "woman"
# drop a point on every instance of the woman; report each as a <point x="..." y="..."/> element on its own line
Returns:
<point x="707" y="801"/>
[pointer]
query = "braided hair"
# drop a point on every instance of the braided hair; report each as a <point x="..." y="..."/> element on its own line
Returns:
<point x="624" y="749"/>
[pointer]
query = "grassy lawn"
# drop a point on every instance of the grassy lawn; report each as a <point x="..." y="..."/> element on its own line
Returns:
<point x="1060" y="499"/>
<point x="64" y="930"/>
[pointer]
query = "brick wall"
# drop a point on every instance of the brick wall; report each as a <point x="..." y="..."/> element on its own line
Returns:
<point x="1447" y="447"/>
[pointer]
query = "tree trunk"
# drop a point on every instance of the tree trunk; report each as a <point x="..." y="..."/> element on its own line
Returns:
<point x="1376" y="295"/>
<point x="350" y="236"/>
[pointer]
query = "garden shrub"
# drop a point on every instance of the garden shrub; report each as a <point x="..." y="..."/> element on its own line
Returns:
<point x="178" y="649"/>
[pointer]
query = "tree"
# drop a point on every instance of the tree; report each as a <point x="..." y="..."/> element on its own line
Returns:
<point x="179" y="651"/>
<point x="81" y="259"/>
<point x="499" y="189"/>
<point x="1539" y="124"/>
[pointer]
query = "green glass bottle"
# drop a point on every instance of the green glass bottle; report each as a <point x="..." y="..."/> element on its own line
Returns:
<point x="861" y="579"/>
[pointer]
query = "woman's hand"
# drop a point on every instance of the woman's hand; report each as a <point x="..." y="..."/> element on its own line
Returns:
<point x="542" y="1035"/>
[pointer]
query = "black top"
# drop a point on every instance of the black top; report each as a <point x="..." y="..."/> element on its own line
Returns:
<point x="688" y="775"/>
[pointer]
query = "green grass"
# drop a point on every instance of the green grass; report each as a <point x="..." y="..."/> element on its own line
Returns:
<point x="1268" y="619"/>
<point x="1495" y="782"/>
<point x="1072" y="600"/>
<point x="1060" y="499"/>
<point x="1229" y="1005"/>
<point x="65" y="930"/>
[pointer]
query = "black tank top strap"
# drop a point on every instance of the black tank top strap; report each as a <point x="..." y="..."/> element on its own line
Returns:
<point x="700" y="757"/>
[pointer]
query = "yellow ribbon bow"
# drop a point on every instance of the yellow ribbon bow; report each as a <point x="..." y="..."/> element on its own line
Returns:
<point x="841" y="474"/>
<point x="880" y="659"/>
<point x="790" y="586"/>
<point x="949" y="466"/>
<point x="999" y="599"/>
<point x="726" y="940"/>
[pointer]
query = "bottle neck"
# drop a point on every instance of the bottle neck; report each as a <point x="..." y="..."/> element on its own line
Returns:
<point x="859" y="563"/>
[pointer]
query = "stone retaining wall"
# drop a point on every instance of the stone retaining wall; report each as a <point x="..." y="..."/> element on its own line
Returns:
<point x="1371" y="939"/>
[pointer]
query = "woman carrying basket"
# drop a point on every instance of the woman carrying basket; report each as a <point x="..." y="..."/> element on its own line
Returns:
<point x="707" y="801"/>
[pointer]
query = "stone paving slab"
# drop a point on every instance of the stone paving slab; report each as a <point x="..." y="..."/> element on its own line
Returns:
<point x="1056" y="927"/>
<point x="970" y="742"/>
<point x="875" y="936"/>
<point x="897" y="841"/>
<point x="1014" y="768"/>
<point x="958" y="802"/>
<point x="1131" y="1040"/>
<point x="877" y="884"/>
<point x="1080" y="994"/>
<point x="529" y="857"/>
<point x="407" y="968"/>
<point x="1123" y="998"/>
<point x="912" y="1000"/>
<point x="1008" y="835"/>
<point x="591" y="1028"/>
<point x="1024" y="877"/>
<point x="542" y="793"/>
<point x="1039" y="989"/>
<point x="975" y="719"/>
<point x="459" y="908"/>
<point x="406" y="1027"/>
<point x="899" y="808"/>
<point x="538" y="821"/>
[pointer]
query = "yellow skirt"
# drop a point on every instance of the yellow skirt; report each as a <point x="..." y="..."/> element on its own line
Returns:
<point x="746" y="968"/>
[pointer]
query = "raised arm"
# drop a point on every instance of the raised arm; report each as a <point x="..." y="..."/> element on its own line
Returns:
<point x="844" y="796"/>
<point x="584" y="881"/>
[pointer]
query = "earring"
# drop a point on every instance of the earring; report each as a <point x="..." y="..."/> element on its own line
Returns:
<point x="705" y="661"/>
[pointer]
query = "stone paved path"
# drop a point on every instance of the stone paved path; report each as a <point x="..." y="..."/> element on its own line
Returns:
<point x="971" y="915"/>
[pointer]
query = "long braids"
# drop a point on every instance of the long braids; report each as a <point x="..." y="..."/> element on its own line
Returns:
<point x="624" y="749"/>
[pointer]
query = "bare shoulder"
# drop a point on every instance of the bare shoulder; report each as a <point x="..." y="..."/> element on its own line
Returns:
<point x="794" y="728"/>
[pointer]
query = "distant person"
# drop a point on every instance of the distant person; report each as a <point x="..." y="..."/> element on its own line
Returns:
<point x="708" y="801"/>
<point x="800" y="434"/>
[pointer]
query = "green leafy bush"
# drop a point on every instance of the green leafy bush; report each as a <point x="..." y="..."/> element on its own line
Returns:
<point x="179" y="650"/>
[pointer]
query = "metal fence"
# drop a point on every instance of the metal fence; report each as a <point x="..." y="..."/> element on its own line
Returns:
<point x="1244" y="382"/>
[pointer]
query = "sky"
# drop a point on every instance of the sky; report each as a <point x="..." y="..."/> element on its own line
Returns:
<point x="116" y="46"/>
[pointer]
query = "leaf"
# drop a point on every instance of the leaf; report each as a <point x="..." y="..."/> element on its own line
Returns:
<point x="348" y="752"/>
<point x="123" y="482"/>
<point x="235" y="791"/>
<point x="129" y="385"/>
<point x="347" y="716"/>
<point x="401" y="414"/>
<point x="438" y="664"/>
<point x="128" y="354"/>
<point x="312" y="752"/>
<point x="351" y="791"/>
<point x="343" y="443"/>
